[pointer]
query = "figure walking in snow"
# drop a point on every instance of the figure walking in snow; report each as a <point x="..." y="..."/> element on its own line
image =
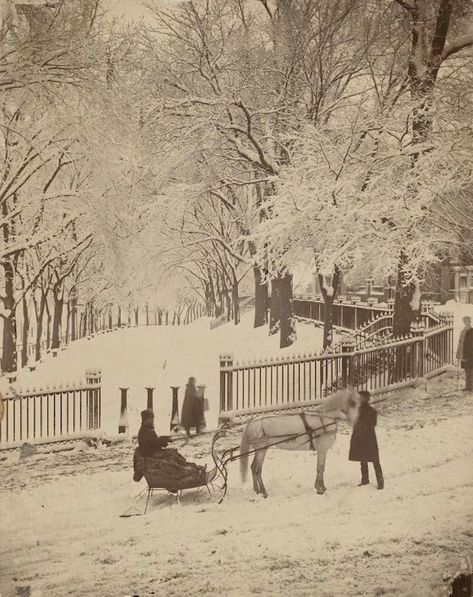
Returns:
<point x="363" y="444"/>
<point x="465" y="352"/>
<point x="192" y="408"/>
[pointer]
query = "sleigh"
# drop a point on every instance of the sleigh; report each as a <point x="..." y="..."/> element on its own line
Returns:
<point x="213" y="481"/>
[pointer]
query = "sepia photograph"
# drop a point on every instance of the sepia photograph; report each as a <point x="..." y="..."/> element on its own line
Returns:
<point x="236" y="298"/>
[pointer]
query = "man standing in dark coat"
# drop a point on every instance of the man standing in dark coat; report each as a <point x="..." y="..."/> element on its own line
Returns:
<point x="465" y="352"/>
<point x="363" y="444"/>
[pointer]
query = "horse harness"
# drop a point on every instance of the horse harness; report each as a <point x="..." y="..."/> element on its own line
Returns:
<point x="311" y="431"/>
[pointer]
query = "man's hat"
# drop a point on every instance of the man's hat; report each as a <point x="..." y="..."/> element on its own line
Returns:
<point x="147" y="414"/>
<point x="364" y="394"/>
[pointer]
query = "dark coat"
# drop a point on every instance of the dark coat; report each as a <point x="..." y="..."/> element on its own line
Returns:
<point x="148" y="441"/>
<point x="192" y="409"/>
<point x="467" y="352"/>
<point x="363" y="444"/>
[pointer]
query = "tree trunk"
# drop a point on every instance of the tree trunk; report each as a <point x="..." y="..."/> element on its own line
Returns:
<point x="39" y="327"/>
<point x="9" y="358"/>
<point x="228" y="305"/>
<point x="26" y="329"/>
<point x="274" y="313"/>
<point x="73" y="308"/>
<point x="48" y="326"/>
<point x="119" y="316"/>
<point x="329" y="294"/>
<point x="406" y="311"/>
<point x="68" y="321"/>
<point x="236" y="303"/>
<point x="261" y="299"/>
<point x="57" y="320"/>
<point x="286" y="311"/>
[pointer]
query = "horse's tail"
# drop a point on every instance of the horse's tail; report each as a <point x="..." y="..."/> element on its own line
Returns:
<point x="244" y="448"/>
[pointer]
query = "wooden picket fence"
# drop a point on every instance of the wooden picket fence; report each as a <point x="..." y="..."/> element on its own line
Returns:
<point x="303" y="380"/>
<point x="52" y="414"/>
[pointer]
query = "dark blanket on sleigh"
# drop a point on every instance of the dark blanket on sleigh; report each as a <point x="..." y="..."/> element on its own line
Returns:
<point x="169" y="470"/>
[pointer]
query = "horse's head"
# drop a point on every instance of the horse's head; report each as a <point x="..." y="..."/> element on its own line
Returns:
<point x="350" y="404"/>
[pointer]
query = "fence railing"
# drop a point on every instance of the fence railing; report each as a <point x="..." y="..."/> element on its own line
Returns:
<point x="355" y="314"/>
<point x="285" y="383"/>
<point x="52" y="413"/>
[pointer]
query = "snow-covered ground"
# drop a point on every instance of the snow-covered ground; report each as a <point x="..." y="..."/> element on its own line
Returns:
<point x="161" y="357"/>
<point x="62" y="535"/>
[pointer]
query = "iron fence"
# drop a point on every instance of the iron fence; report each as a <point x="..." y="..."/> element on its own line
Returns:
<point x="285" y="383"/>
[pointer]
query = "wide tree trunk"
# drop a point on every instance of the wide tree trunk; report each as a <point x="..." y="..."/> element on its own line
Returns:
<point x="286" y="311"/>
<point x="9" y="358"/>
<point x="57" y="320"/>
<point x="261" y="298"/>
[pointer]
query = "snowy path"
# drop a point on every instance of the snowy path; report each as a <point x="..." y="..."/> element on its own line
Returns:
<point x="62" y="535"/>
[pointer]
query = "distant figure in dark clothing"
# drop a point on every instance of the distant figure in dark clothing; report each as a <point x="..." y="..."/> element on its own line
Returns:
<point x="465" y="352"/>
<point x="164" y="465"/>
<point x="192" y="408"/>
<point x="363" y="444"/>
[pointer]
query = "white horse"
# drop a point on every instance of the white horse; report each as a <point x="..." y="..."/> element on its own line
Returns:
<point x="312" y="429"/>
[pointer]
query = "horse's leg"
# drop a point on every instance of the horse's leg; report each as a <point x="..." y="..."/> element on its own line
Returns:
<point x="254" y="474"/>
<point x="259" y="460"/>
<point x="319" y="481"/>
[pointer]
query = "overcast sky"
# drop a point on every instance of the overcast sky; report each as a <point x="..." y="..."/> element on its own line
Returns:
<point x="133" y="9"/>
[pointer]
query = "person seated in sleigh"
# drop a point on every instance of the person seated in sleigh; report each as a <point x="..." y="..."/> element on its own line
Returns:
<point x="163" y="466"/>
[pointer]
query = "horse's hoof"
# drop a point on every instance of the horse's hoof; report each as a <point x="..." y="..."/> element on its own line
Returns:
<point x="320" y="490"/>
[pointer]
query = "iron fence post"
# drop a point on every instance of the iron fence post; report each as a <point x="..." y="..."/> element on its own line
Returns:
<point x="123" y="421"/>
<point x="93" y="377"/>
<point x="418" y="332"/>
<point x="149" y="402"/>
<point x="226" y="382"/>
<point x="348" y="350"/>
<point x="174" y="425"/>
